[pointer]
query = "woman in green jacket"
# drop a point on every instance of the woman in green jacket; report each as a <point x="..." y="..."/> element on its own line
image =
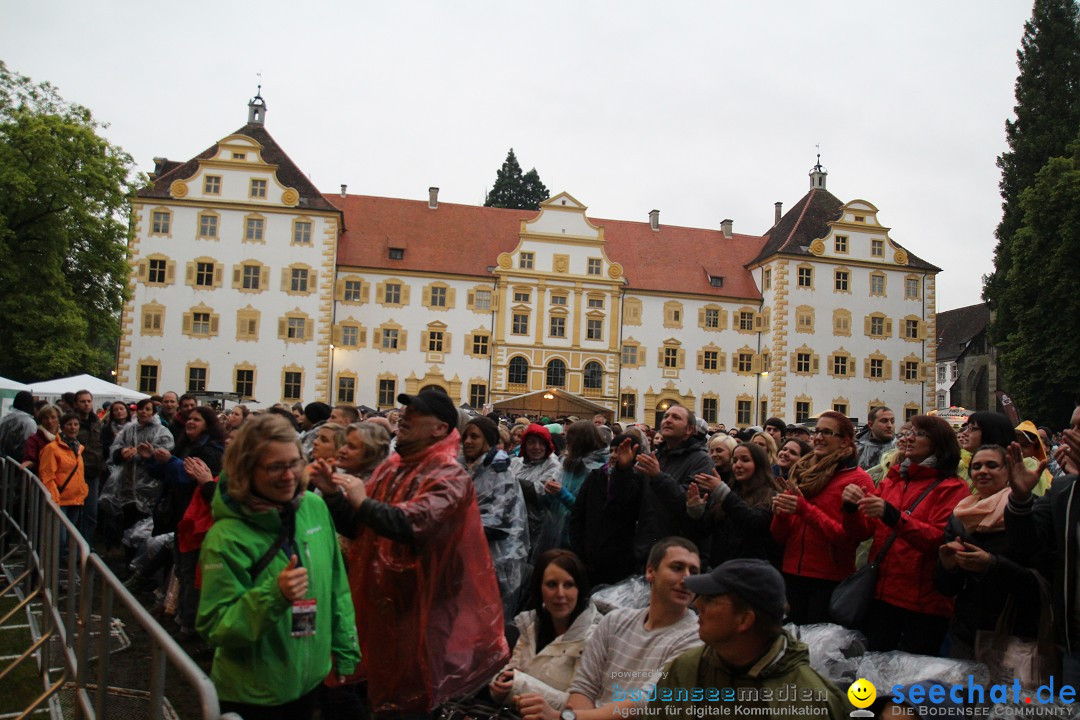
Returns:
<point x="275" y="599"/>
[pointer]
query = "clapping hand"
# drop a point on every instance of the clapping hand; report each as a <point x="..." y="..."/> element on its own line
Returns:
<point x="353" y="487"/>
<point x="319" y="473"/>
<point x="197" y="470"/>
<point x="707" y="481"/>
<point x="1021" y="480"/>
<point x="694" y="497"/>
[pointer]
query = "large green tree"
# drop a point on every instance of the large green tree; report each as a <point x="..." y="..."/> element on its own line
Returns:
<point x="1041" y="357"/>
<point x="1047" y="119"/>
<point x="514" y="189"/>
<point x="63" y="234"/>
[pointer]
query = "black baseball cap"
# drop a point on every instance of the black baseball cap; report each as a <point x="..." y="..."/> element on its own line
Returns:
<point x="432" y="402"/>
<point x="756" y="582"/>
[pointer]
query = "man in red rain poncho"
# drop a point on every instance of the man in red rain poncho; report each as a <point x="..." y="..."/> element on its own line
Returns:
<point x="428" y="609"/>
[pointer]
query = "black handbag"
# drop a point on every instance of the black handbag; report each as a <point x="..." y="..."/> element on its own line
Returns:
<point x="851" y="599"/>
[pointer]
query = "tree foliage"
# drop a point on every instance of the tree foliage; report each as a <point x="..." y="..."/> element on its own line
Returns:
<point x="1041" y="357"/>
<point x="63" y="234"/>
<point x="1047" y="119"/>
<point x="514" y="189"/>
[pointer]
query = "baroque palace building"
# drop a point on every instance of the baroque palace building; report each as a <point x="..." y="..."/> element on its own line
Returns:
<point x="245" y="278"/>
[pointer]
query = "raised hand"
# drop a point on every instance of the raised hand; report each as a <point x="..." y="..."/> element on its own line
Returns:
<point x="1021" y="480"/>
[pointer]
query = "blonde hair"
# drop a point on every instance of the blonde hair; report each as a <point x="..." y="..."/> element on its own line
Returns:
<point x="337" y="432"/>
<point x="770" y="446"/>
<point x="721" y="439"/>
<point x="247" y="448"/>
<point x="376" y="442"/>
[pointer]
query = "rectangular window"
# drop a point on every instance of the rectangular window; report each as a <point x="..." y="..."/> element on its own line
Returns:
<point x="155" y="271"/>
<point x="627" y="405"/>
<point x="596" y="302"/>
<point x="296" y="328"/>
<point x="346" y="390"/>
<point x="483" y="300"/>
<point x="480" y="345"/>
<point x="250" y="277"/>
<point x="594" y="267"/>
<point x="560" y="300"/>
<point x="745" y="362"/>
<point x="520" y="324"/>
<point x="397" y="253"/>
<point x="350" y="336"/>
<point x="393" y="294"/>
<point x="557" y="327"/>
<point x="390" y="339"/>
<point x="877" y="326"/>
<point x="435" y="341"/>
<point x="196" y="379"/>
<point x="840" y="408"/>
<point x="477" y="395"/>
<point x="710" y="360"/>
<point x="212" y="185"/>
<point x="208" y="225"/>
<point x="911" y="370"/>
<point x="708" y="410"/>
<point x="292" y="385"/>
<point x="842" y="280"/>
<point x="200" y="323"/>
<point x="877" y="248"/>
<point x="802" y="411"/>
<point x="522" y="296"/>
<point x="877" y="368"/>
<point x="298" y="280"/>
<point x="712" y="318"/>
<point x="148" y="379"/>
<point x="204" y="274"/>
<point x="161" y="222"/>
<point x="247" y="325"/>
<point x="911" y="289"/>
<point x="353" y="290"/>
<point x="840" y="244"/>
<point x="877" y="284"/>
<point x="767" y="279"/>
<point x="805" y="321"/>
<point x="746" y="320"/>
<point x="525" y="261"/>
<point x="629" y="355"/>
<point x="244" y="382"/>
<point x="802" y="362"/>
<point x="911" y="329"/>
<point x="806" y="277"/>
<point x="302" y="232"/>
<point x="941" y="372"/>
<point x="438" y="297"/>
<point x="258" y="188"/>
<point x="253" y="229"/>
<point x="671" y="357"/>
<point x="594" y="329"/>
<point x="387" y="393"/>
<point x="743" y="408"/>
<point x="152" y="321"/>
<point x="840" y="366"/>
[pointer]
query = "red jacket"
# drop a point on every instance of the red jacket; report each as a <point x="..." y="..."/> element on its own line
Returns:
<point x="906" y="575"/>
<point x="815" y="542"/>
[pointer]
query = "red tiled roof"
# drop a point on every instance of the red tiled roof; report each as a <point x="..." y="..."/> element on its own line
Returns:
<point x="467" y="240"/>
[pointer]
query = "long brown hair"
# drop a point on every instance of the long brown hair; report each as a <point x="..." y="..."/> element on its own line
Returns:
<point x="759" y="490"/>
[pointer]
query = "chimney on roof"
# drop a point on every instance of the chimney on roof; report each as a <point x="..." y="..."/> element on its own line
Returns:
<point x="433" y="197"/>
<point x="654" y="219"/>
<point x="778" y="212"/>
<point x="818" y="175"/>
<point x="725" y="225"/>
<point x="343" y="188"/>
<point x="257" y="108"/>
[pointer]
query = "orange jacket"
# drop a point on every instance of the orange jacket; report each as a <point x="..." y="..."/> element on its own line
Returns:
<point x="55" y="465"/>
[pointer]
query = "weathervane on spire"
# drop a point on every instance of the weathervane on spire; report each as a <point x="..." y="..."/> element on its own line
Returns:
<point x="818" y="173"/>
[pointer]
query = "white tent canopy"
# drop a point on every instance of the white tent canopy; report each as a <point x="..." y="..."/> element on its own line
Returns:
<point x="102" y="390"/>
<point x="6" y="384"/>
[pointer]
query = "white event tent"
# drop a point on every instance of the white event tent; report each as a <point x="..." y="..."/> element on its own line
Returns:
<point x="102" y="390"/>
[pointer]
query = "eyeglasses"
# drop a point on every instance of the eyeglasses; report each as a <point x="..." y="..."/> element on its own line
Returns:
<point x="278" y="469"/>
<point x="824" y="432"/>
<point x="969" y="427"/>
<point x="989" y="465"/>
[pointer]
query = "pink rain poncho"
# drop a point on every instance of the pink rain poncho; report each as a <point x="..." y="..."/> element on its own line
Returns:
<point x="429" y="614"/>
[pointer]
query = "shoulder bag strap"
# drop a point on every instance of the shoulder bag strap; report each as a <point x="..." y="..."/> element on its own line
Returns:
<point x="78" y="459"/>
<point x="892" y="537"/>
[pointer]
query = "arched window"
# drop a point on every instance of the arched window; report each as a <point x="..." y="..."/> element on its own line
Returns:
<point x="556" y="373"/>
<point x="594" y="375"/>
<point x="518" y="373"/>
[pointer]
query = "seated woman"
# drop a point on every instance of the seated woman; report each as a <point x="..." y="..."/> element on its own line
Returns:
<point x="553" y="633"/>
<point x="974" y="565"/>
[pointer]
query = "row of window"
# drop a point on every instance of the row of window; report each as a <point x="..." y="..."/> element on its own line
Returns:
<point x="202" y="322"/>
<point x="557" y="324"/>
<point x="555" y="374"/>
<point x="206" y="273"/>
<point x="843" y="279"/>
<point x="208" y="227"/>
<point x="593" y="266"/>
<point x="744" y="408"/>
<point x="877" y="246"/>
<point x="212" y="185"/>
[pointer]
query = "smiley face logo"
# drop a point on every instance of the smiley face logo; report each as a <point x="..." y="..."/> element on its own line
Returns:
<point x="862" y="693"/>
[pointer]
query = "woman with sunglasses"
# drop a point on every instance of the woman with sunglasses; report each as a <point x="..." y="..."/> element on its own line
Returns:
<point x="914" y="501"/>
<point x="974" y="565"/>
<point x="818" y="552"/>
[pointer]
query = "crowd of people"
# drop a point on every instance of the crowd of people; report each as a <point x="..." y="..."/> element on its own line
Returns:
<point x="394" y="562"/>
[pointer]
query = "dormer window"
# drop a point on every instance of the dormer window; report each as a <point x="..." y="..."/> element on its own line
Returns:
<point x="717" y="281"/>
<point x="397" y="253"/>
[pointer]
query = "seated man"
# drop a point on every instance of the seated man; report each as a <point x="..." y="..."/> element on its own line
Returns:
<point x="626" y="653"/>
<point x="748" y="660"/>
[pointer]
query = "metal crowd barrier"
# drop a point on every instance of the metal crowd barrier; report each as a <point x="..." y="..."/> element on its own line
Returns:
<point x="69" y="608"/>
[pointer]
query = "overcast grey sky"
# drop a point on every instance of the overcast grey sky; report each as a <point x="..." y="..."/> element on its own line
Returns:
<point x="704" y="110"/>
